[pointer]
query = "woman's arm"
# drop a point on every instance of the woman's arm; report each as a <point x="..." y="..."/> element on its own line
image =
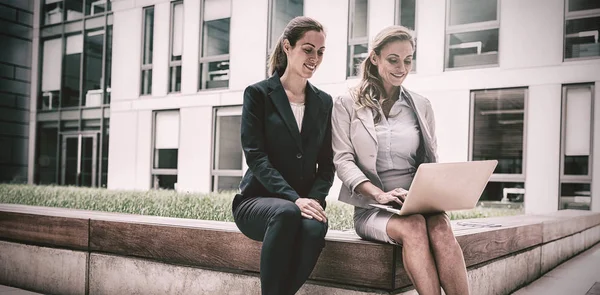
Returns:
<point x="326" y="169"/>
<point x="253" y="140"/>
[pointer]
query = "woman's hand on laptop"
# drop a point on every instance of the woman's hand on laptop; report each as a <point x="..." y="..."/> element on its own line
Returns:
<point x="393" y="196"/>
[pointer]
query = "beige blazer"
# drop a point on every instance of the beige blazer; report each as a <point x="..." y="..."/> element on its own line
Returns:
<point x="355" y="144"/>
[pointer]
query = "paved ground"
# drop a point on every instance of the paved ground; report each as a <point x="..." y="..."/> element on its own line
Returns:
<point x="578" y="276"/>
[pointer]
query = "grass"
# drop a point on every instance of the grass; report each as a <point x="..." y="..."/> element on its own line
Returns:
<point x="209" y="206"/>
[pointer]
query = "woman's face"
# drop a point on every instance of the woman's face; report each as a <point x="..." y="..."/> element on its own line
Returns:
<point x="306" y="56"/>
<point x="394" y="62"/>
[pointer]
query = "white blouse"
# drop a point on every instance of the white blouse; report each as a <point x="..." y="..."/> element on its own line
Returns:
<point x="298" y="110"/>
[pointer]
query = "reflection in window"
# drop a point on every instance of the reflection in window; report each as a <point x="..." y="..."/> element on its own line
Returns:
<point x="504" y="191"/>
<point x="53" y="11"/>
<point x="92" y="83"/>
<point x="93" y="7"/>
<point x="46" y="163"/>
<point x="576" y="147"/>
<point x="214" y="62"/>
<point x="176" y="47"/>
<point x="147" y="49"/>
<point x="74" y="9"/>
<point x="582" y="37"/>
<point x="358" y="36"/>
<point x="282" y="12"/>
<point x="473" y="48"/>
<point x="228" y="159"/>
<point x="51" y="73"/>
<point x="71" y="71"/>
<point x="498" y="127"/>
<point x="472" y="33"/>
<point x="166" y="147"/>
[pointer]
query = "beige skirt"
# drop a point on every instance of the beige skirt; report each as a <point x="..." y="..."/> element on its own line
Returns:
<point x="371" y="224"/>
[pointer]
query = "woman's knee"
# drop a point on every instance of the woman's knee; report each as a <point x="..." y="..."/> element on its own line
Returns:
<point x="440" y="229"/>
<point x="408" y="230"/>
<point x="287" y="212"/>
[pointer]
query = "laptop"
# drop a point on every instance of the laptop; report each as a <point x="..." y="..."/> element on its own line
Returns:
<point x="440" y="187"/>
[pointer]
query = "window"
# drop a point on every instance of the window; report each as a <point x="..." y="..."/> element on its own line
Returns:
<point x="497" y="132"/>
<point x="47" y="154"/>
<point x="71" y="71"/>
<point x="166" y="148"/>
<point x="227" y="156"/>
<point x="93" y="83"/>
<point x="74" y="9"/>
<point x="576" y="147"/>
<point x="357" y="35"/>
<point x="582" y="28"/>
<point x="93" y="7"/>
<point x="472" y="31"/>
<point x="406" y="17"/>
<point x="53" y="11"/>
<point x="51" y="71"/>
<point x="282" y="12"/>
<point x="176" y="47"/>
<point x="147" y="50"/>
<point x="214" y="61"/>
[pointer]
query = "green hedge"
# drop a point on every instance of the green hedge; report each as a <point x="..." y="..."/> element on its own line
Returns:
<point x="210" y="206"/>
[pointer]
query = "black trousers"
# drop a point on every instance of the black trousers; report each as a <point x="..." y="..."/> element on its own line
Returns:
<point x="291" y="244"/>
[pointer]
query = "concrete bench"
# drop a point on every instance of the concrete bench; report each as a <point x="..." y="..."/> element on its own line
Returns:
<point x="65" y="251"/>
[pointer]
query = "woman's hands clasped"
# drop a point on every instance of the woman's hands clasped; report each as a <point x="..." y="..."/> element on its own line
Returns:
<point x="396" y="195"/>
<point x="310" y="209"/>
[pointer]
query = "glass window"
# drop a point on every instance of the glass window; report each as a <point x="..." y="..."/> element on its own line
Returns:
<point x="581" y="36"/>
<point x="46" y="163"/>
<point x="176" y="47"/>
<point x="497" y="133"/>
<point x="579" y="5"/>
<point x="472" y="33"/>
<point x="576" y="147"/>
<point x="147" y="49"/>
<point x="358" y="35"/>
<point x="53" y="11"/>
<point x="166" y="148"/>
<point x="228" y="158"/>
<point x="74" y="9"/>
<point x="92" y="83"/>
<point x="71" y="71"/>
<point x="108" y="63"/>
<point x="214" y="62"/>
<point x="406" y="17"/>
<point x="282" y="12"/>
<point x="51" y="73"/>
<point x="93" y="7"/>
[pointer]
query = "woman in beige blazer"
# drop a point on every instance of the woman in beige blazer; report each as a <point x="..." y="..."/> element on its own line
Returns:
<point x="381" y="133"/>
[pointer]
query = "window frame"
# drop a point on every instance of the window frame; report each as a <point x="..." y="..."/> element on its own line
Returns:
<point x="204" y="61"/>
<point x="148" y="66"/>
<point x="469" y="28"/>
<point x="566" y="178"/>
<point x="174" y="63"/>
<point x="398" y="22"/>
<point x="582" y="14"/>
<point x="501" y="177"/>
<point x="355" y="41"/>
<point x="155" y="172"/>
<point x="215" y="173"/>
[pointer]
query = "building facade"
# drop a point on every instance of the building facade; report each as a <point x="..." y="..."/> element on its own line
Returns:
<point x="147" y="94"/>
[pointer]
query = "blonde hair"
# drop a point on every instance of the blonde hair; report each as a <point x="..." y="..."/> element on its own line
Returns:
<point x="293" y="32"/>
<point x="370" y="87"/>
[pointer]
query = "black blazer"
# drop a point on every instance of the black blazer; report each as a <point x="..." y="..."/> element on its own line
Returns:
<point x="283" y="162"/>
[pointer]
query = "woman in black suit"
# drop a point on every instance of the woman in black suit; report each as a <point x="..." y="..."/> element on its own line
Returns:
<point x="286" y="137"/>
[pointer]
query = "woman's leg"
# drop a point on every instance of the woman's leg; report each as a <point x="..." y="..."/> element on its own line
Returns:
<point x="418" y="261"/>
<point x="276" y="223"/>
<point x="448" y="255"/>
<point x="308" y="248"/>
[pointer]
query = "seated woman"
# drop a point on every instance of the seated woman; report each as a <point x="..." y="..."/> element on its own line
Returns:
<point x="286" y="138"/>
<point x="381" y="133"/>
